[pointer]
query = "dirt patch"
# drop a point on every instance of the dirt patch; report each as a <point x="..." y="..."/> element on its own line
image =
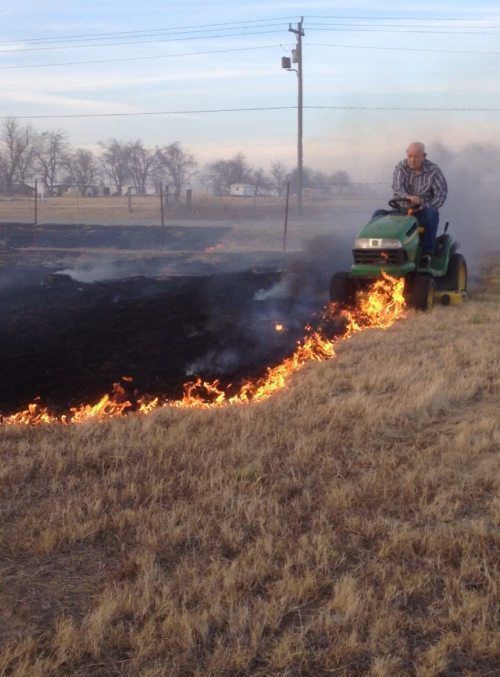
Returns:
<point x="89" y="305"/>
<point x="173" y="238"/>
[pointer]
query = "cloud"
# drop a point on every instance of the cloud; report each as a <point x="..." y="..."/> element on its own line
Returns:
<point x="85" y="105"/>
<point x="374" y="6"/>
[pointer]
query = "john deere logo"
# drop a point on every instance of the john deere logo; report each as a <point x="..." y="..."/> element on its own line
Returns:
<point x="375" y="243"/>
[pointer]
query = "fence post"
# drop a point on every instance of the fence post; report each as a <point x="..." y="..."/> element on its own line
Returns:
<point x="162" y="211"/>
<point x="35" y="216"/>
<point x="285" y="227"/>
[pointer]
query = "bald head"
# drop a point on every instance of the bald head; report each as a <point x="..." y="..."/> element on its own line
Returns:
<point x="415" y="155"/>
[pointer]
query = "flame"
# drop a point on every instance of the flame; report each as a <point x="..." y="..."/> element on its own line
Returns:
<point x="279" y="327"/>
<point x="378" y="307"/>
<point x="214" y="248"/>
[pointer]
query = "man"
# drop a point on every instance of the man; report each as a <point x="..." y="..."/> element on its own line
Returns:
<point x="422" y="183"/>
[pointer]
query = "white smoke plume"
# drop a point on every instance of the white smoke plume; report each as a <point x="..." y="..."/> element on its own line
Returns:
<point x="473" y="204"/>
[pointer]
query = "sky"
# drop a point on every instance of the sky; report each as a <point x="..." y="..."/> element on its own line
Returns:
<point x="151" y="57"/>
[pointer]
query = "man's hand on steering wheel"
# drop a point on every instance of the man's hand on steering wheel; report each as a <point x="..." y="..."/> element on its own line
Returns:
<point x="415" y="200"/>
<point x="404" y="204"/>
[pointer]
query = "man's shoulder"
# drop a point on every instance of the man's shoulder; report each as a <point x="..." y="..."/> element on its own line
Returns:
<point x="431" y="167"/>
<point x="403" y="165"/>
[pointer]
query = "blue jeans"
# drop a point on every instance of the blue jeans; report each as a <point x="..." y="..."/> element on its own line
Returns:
<point x="427" y="217"/>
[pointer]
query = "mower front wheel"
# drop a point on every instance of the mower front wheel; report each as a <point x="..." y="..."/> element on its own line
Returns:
<point x="422" y="293"/>
<point x="342" y="289"/>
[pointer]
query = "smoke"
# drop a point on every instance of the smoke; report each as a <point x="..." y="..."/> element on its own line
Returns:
<point x="473" y="204"/>
<point x="106" y="270"/>
<point x="273" y="318"/>
<point x="170" y="264"/>
<point x="214" y="362"/>
<point x="277" y="291"/>
<point x="309" y="270"/>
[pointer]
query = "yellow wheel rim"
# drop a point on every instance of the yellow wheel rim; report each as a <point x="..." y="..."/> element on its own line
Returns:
<point x="430" y="297"/>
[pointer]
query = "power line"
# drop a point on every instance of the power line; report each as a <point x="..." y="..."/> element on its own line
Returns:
<point x="231" y="31"/>
<point x="139" y="58"/>
<point x="384" y="25"/>
<point x="133" y="39"/>
<point x="387" y="18"/>
<point x="408" y="108"/>
<point x="376" y="29"/>
<point x="243" y="49"/>
<point x="138" y="42"/>
<point x="401" y="49"/>
<point x="236" y="24"/>
<point x="253" y="109"/>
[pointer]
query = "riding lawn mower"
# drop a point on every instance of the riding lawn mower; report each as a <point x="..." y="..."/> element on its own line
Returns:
<point x="392" y="243"/>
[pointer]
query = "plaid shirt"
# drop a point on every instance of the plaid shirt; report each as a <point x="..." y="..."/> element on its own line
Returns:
<point x="428" y="184"/>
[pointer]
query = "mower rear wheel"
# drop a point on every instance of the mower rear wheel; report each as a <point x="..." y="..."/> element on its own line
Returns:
<point x="423" y="291"/>
<point x="342" y="288"/>
<point x="456" y="276"/>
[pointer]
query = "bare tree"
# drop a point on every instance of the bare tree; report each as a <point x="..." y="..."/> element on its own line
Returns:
<point x="115" y="162"/>
<point x="178" y="164"/>
<point x="260" y="180"/>
<point x="307" y="179"/>
<point x="51" y="154"/>
<point x="320" y="180"/>
<point x="221" y="174"/>
<point x="279" y="176"/>
<point x="341" y="180"/>
<point x="17" y="153"/>
<point x="141" y="164"/>
<point x="83" y="169"/>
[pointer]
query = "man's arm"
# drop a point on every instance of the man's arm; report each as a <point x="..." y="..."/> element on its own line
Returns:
<point x="440" y="189"/>
<point x="398" y="181"/>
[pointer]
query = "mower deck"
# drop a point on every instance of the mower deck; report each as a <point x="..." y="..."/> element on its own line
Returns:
<point x="450" y="298"/>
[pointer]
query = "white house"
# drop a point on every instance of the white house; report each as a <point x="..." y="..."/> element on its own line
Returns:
<point x="242" y="190"/>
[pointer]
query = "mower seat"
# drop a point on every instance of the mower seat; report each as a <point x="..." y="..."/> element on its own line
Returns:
<point x="440" y="244"/>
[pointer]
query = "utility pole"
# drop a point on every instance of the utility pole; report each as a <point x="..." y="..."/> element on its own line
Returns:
<point x="297" y="58"/>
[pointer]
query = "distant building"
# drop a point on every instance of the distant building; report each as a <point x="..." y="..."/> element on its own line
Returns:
<point x="96" y="190"/>
<point x="242" y="190"/>
<point x="23" y="189"/>
<point x="317" y="193"/>
<point x="59" y="189"/>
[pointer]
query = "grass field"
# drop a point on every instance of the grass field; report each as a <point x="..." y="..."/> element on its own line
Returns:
<point x="147" y="209"/>
<point x="346" y="526"/>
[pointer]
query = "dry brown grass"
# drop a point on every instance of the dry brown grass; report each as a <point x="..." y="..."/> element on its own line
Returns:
<point x="348" y="526"/>
<point x="146" y="209"/>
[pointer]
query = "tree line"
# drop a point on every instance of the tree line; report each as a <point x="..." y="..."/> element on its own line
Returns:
<point x="26" y="154"/>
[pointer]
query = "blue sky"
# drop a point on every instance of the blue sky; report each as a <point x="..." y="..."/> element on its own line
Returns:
<point x="346" y="64"/>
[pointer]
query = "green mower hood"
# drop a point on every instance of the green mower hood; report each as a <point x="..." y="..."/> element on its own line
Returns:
<point x="394" y="226"/>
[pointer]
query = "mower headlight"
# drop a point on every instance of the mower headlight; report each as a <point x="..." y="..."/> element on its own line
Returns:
<point x="391" y="243"/>
<point x="377" y="243"/>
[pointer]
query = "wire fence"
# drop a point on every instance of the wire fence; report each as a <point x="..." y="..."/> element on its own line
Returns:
<point x="160" y="209"/>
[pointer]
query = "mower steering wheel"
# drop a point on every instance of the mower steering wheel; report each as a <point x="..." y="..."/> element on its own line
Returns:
<point x="401" y="204"/>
